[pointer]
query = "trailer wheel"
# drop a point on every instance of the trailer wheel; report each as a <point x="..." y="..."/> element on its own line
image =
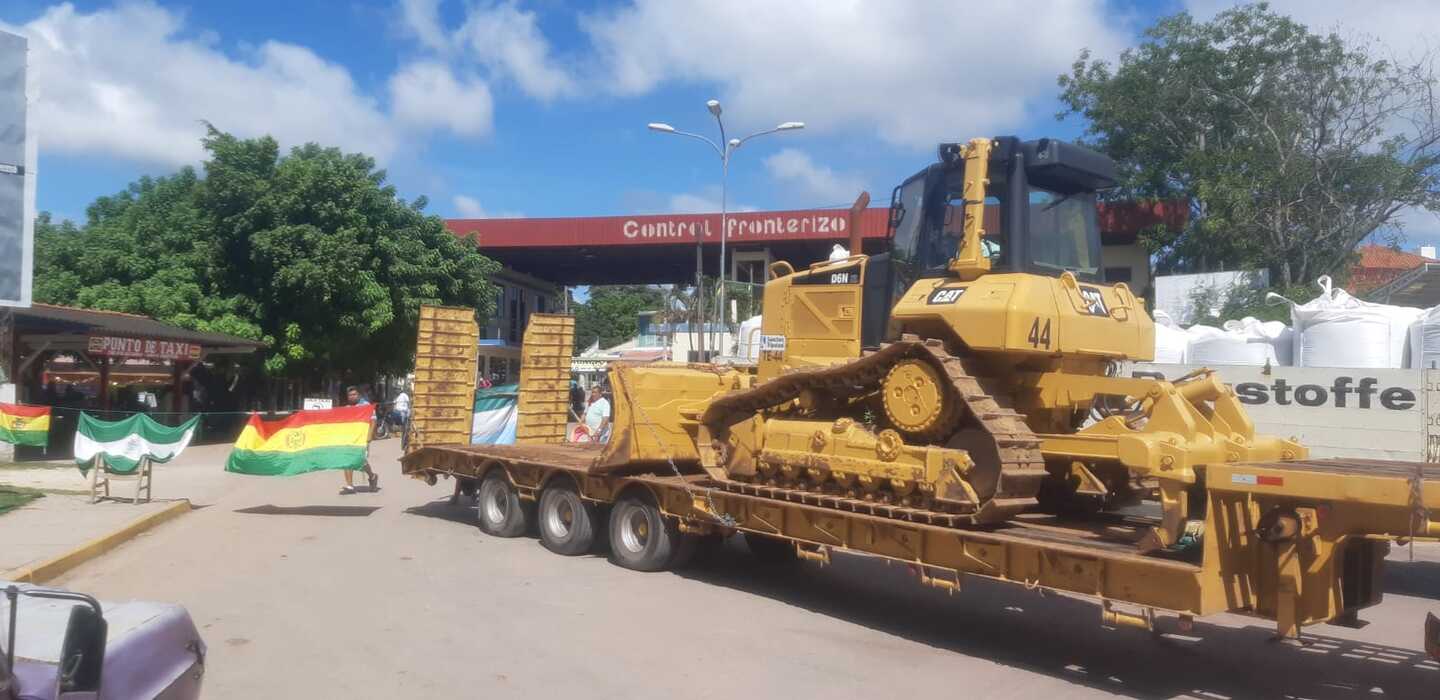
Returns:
<point x="501" y="512"/>
<point x="567" y="523"/>
<point x="641" y="537"/>
<point x="770" y="550"/>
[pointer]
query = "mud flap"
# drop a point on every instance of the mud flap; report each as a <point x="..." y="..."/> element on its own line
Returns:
<point x="1432" y="636"/>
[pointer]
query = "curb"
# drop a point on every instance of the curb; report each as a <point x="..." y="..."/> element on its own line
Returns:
<point x="55" y="566"/>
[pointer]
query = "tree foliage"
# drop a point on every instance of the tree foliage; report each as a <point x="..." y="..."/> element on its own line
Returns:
<point x="311" y="252"/>
<point x="611" y="314"/>
<point x="1291" y="146"/>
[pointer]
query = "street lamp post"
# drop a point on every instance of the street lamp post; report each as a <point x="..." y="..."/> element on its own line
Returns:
<point x="724" y="149"/>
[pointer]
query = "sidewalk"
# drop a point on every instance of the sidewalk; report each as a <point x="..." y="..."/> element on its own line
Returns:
<point x="65" y="520"/>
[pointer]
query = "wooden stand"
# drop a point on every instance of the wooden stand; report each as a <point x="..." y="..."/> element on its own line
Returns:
<point x="100" y="477"/>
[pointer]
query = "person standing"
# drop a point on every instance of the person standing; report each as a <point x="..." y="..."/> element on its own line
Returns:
<point x="400" y="416"/>
<point x="597" y="415"/>
<point x="352" y="394"/>
<point x="400" y="410"/>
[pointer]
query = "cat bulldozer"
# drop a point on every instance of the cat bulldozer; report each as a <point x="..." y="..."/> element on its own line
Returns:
<point x="971" y="371"/>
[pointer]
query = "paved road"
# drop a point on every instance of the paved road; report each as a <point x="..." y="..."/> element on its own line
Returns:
<point x="301" y="592"/>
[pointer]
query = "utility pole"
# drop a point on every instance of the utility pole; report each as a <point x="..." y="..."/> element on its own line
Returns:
<point x="725" y="149"/>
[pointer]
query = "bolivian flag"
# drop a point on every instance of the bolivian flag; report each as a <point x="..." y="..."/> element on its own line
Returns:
<point x="303" y="442"/>
<point x="25" y="425"/>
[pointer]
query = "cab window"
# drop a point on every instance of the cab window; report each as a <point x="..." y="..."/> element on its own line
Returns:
<point x="1064" y="233"/>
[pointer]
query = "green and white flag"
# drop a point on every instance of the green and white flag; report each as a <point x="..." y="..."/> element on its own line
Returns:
<point x="122" y="444"/>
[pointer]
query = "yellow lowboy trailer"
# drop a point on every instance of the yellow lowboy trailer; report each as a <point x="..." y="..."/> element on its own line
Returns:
<point x="1297" y="542"/>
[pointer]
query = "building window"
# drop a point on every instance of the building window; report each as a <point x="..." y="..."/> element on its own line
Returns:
<point x="1118" y="274"/>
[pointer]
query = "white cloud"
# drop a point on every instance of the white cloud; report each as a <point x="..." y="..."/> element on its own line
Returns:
<point x="819" y="183"/>
<point x="693" y="204"/>
<point x="428" y="95"/>
<point x="915" y="73"/>
<point x="422" y="19"/>
<point x="499" y="36"/>
<point x="706" y="201"/>
<point x="468" y="207"/>
<point x="128" y="82"/>
<point x="134" y="81"/>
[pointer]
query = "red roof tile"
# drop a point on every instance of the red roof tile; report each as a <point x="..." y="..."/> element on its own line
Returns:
<point x="1379" y="257"/>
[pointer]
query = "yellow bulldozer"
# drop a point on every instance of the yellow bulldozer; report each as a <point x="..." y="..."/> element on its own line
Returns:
<point x="971" y="372"/>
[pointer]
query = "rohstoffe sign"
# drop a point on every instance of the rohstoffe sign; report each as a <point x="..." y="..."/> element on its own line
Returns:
<point x="1336" y="412"/>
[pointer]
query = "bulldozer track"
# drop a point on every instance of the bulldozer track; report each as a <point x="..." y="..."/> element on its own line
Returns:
<point x="1007" y="480"/>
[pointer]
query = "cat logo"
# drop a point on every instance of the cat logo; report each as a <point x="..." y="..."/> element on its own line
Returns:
<point x="946" y="295"/>
<point x="1094" y="301"/>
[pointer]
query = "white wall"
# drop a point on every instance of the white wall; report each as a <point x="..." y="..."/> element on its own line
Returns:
<point x="1134" y="257"/>
<point x="683" y="343"/>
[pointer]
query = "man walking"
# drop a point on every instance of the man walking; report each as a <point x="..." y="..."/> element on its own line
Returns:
<point x="352" y="394"/>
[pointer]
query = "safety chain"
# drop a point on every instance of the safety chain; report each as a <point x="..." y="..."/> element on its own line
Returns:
<point x="724" y="519"/>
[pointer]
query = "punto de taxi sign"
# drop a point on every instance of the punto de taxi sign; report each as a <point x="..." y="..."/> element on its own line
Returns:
<point x="145" y="348"/>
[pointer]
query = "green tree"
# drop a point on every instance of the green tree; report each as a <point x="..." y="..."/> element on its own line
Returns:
<point x="611" y="313"/>
<point x="310" y="251"/>
<point x="1291" y="146"/>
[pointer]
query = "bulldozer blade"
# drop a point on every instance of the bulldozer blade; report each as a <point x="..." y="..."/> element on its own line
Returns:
<point x="1432" y="636"/>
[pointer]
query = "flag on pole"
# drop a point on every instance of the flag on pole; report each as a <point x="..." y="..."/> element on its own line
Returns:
<point x="25" y="425"/>
<point x="303" y="442"/>
<point x="122" y="444"/>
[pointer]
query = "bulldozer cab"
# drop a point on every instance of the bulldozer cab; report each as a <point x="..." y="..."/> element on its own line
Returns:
<point x="1037" y="213"/>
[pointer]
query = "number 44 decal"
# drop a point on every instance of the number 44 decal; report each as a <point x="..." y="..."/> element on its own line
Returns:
<point x="1040" y="336"/>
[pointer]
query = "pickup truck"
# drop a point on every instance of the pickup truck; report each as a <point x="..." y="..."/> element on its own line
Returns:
<point x="62" y="645"/>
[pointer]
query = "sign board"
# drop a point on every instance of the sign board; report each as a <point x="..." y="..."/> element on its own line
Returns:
<point x="750" y="226"/>
<point x="17" y="177"/>
<point x="146" y="348"/>
<point x="772" y="343"/>
<point x="1336" y="412"/>
<point x="807" y="224"/>
<point x="310" y="404"/>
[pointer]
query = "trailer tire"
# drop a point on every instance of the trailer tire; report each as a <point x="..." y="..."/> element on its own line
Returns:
<point x="641" y="537"/>
<point x="567" y="523"/>
<point x="501" y="512"/>
<point x="770" y="550"/>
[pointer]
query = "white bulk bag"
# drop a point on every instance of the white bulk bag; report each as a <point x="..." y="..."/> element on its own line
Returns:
<point x="1425" y="340"/>
<point x="1214" y="346"/>
<point x="1338" y="330"/>
<point x="1277" y="334"/>
<point x="1170" y="340"/>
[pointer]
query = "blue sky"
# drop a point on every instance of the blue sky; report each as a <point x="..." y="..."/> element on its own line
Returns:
<point x="538" y="108"/>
